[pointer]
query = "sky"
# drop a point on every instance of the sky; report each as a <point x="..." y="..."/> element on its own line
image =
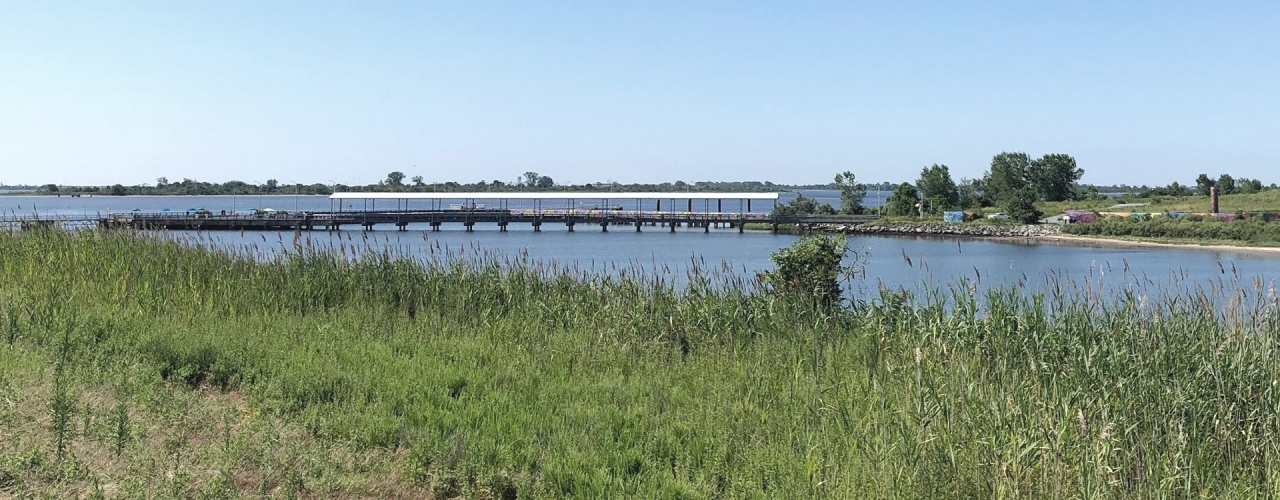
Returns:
<point x="1139" y="92"/>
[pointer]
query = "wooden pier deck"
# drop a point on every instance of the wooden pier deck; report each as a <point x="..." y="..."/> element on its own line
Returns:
<point x="462" y="208"/>
<point x="369" y="220"/>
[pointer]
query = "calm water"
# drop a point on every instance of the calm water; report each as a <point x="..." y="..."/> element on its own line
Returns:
<point x="895" y="261"/>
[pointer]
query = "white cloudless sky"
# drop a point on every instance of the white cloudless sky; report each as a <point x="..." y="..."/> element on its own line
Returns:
<point x="1140" y="92"/>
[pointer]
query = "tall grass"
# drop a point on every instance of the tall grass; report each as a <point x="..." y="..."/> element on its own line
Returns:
<point x="505" y="378"/>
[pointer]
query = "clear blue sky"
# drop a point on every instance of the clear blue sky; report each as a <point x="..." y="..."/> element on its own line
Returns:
<point x="1138" y="91"/>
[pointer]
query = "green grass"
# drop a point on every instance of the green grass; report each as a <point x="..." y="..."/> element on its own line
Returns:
<point x="1265" y="201"/>
<point x="1192" y="229"/>
<point x="319" y="375"/>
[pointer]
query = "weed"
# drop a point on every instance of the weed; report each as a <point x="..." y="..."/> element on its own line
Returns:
<point x="518" y="377"/>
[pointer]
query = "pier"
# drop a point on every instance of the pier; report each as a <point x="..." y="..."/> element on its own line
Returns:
<point x="634" y="211"/>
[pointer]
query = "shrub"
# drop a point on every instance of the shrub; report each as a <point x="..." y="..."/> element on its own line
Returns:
<point x="811" y="268"/>
<point x="1191" y="227"/>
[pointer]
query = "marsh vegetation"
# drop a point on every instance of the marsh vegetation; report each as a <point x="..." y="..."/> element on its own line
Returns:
<point x="138" y="366"/>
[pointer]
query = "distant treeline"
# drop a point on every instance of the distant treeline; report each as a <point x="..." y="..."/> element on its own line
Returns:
<point x="1015" y="183"/>
<point x="1050" y="178"/>
<point x="396" y="182"/>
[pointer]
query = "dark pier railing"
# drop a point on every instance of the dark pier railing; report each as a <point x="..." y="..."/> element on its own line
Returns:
<point x="330" y="221"/>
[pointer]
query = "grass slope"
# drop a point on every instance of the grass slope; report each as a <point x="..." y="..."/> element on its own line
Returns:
<point x="1265" y="201"/>
<point x="318" y="375"/>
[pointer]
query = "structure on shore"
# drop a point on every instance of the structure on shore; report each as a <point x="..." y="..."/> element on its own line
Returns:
<point x="667" y="210"/>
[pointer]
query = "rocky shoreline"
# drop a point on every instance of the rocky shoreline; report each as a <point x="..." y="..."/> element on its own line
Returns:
<point x="942" y="229"/>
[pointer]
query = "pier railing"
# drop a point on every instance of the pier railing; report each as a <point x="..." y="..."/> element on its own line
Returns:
<point x="435" y="218"/>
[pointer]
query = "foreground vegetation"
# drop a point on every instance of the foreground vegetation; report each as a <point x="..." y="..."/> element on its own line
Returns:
<point x="139" y="367"/>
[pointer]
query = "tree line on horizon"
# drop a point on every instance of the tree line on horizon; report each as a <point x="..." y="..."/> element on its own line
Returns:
<point x="1014" y="182"/>
<point x="399" y="182"/>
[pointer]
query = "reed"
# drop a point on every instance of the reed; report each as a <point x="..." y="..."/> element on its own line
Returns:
<point x="501" y="377"/>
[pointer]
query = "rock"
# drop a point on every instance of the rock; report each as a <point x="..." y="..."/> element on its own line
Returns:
<point x="925" y="228"/>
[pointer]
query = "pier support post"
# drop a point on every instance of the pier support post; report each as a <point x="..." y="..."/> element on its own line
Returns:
<point x="570" y="224"/>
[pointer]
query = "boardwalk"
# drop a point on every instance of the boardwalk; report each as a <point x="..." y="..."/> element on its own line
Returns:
<point x="370" y="220"/>
<point x="463" y="209"/>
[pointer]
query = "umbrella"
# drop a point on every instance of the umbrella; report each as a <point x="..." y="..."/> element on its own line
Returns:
<point x="136" y="210"/>
<point x="268" y="210"/>
<point x="191" y="209"/>
<point x="165" y="209"/>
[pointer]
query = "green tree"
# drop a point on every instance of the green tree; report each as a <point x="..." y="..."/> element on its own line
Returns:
<point x="1204" y="184"/>
<point x="1008" y="174"/>
<point x="937" y="189"/>
<point x="417" y="181"/>
<point x="1054" y="177"/>
<point x="118" y="190"/>
<point x="531" y="179"/>
<point x="852" y="193"/>
<point x="811" y="268"/>
<point x="1089" y="192"/>
<point x="1226" y="184"/>
<point x="803" y="205"/>
<point x="395" y="178"/>
<point x="1021" y="206"/>
<point x="545" y="182"/>
<point x="903" y="201"/>
<point x="272" y="184"/>
<point x="1178" y="190"/>
<point x="972" y="195"/>
<point x="162" y="182"/>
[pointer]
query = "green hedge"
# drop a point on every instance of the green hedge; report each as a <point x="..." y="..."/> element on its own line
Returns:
<point x="1189" y="228"/>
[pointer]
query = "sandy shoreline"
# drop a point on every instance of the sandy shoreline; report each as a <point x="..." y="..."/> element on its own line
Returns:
<point x="1112" y="243"/>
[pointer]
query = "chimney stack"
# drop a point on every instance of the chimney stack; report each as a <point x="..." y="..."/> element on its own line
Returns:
<point x="1213" y="200"/>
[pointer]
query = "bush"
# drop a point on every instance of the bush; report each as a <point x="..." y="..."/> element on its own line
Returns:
<point x="811" y="268"/>
<point x="1191" y="227"/>
<point x="1021" y="207"/>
